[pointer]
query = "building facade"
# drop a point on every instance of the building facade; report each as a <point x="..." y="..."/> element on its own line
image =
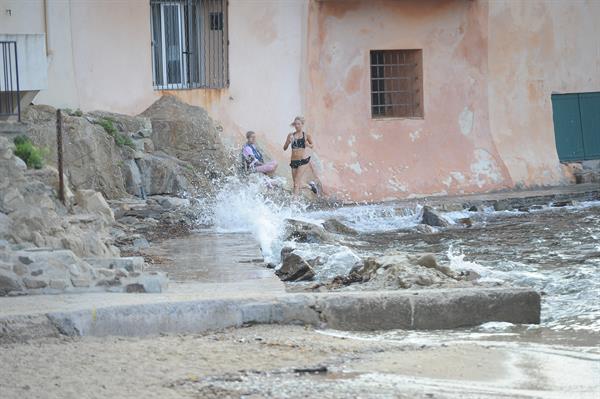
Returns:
<point x="403" y="98"/>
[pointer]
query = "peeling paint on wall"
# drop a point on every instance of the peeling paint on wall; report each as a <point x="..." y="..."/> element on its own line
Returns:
<point x="485" y="170"/>
<point x="414" y="136"/>
<point x="356" y="168"/>
<point x="465" y="121"/>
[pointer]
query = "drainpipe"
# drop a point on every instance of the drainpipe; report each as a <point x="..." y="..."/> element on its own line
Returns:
<point x="46" y="26"/>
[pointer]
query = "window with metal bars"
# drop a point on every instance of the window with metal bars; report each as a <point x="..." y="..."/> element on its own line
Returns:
<point x="189" y="44"/>
<point x="396" y="83"/>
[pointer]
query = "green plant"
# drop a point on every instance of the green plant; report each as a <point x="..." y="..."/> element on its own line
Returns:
<point x="111" y="130"/>
<point x="77" y="112"/>
<point x="32" y="155"/>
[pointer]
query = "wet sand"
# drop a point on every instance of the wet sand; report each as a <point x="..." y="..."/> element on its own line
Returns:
<point x="259" y="361"/>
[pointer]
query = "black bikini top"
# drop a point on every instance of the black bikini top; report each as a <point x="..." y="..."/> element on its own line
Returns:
<point x="298" y="143"/>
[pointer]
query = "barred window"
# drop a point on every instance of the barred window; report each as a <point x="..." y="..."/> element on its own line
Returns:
<point x="396" y="83"/>
<point x="189" y="44"/>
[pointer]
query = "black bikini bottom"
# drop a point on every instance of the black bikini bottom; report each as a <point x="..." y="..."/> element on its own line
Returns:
<point x="295" y="164"/>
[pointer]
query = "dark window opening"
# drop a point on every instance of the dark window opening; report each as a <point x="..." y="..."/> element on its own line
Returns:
<point x="396" y="83"/>
<point x="189" y="44"/>
<point x="216" y="21"/>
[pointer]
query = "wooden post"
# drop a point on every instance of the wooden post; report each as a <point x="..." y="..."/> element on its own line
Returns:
<point x="59" y="151"/>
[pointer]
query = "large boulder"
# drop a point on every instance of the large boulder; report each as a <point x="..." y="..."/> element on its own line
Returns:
<point x="162" y="174"/>
<point x="92" y="159"/>
<point x="189" y="134"/>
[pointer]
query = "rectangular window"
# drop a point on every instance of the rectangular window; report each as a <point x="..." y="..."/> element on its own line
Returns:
<point x="397" y="83"/>
<point x="189" y="44"/>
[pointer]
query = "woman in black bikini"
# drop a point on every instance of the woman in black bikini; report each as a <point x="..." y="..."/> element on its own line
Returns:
<point x="299" y="141"/>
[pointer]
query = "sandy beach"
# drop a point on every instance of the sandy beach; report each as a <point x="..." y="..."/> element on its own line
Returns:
<point x="286" y="362"/>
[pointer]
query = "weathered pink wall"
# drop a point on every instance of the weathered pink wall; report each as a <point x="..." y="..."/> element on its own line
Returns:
<point x="537" y="48"/>
<point x="489" y="70"/>
<point x="451" y="149"/>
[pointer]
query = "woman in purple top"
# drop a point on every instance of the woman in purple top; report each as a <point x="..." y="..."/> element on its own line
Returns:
<point x="254" y="159"/>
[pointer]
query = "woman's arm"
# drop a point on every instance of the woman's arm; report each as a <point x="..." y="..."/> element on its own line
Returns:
<point x="287" y="142"/>
<point x="309" y="141"/>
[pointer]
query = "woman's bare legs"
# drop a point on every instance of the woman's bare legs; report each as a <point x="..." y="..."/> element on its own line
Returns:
<point x="297" y="175"/>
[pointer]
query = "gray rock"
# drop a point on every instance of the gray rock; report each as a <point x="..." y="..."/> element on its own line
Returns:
<point x="294" y="268"/>
<point x="162" y="174"/>
<point x="285" y="251"/>
<point x="306" y="232"/>
<point x="130" y="263"/>
<point x="432" y="218"/>
<point x="26" y="260"/>
<point x="34" y="283"/>
<point x="81" y="281"/>
<point x="335" y="226"/>
<point x="188" y="133"/>
<point x="58" y="284"/>
<point x="8" y="283"/>
<point x="172" y="202"/>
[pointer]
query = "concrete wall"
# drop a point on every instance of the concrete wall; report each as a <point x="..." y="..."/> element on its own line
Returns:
<point x="537" y="48"/>
<point x="451" y="149"/>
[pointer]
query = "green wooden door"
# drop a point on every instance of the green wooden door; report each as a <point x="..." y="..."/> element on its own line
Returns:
<point x="577" y="126"/>
<point x="589" y="104"/>
<point x="567" y="127"/>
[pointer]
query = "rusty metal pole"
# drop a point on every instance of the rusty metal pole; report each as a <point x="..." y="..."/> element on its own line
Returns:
<point x="59" y="151"/>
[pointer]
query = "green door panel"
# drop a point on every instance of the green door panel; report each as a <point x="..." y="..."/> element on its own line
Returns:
<point x="589" y="105"/>
<point x="567" y="127"/>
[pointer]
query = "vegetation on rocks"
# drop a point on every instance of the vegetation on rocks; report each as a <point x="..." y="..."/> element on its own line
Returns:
<point x="32" y="155"/>
<point x="111" y="130"/>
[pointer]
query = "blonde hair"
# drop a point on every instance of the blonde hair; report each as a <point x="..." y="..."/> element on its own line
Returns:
<point x="298" y="118"/>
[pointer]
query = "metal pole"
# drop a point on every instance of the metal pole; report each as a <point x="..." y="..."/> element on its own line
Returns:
<point x="59" y="151"/>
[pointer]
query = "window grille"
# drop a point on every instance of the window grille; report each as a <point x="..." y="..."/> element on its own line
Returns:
<point x="189" y="44"/>
<point x="396" y="83"/>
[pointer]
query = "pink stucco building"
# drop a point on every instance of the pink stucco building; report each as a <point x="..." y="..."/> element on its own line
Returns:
<point x="404" y="98"/>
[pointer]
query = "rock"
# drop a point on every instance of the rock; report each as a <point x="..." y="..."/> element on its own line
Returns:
<point x="19" y="163"/>
<point x="34" y="283"/>
<point x="302" y="231"/>
<point x="467" y="222"/>
<point x="425" y="229"/>
<point x="135" y="288"/>
<point x="92" y="157"/>
<point x="81" y="281"/>
<point x="294" y="268"/>
<point x="172" y="202"/>
<point x="188" y="133"/>
<point x="433" y="218"/>
<point x="8" y="283"/>
<point x="93" y="202"/>
<point x="137" y="125"/>
<point x="560" y="204"/>
<point x="154" y="283"/>
<point x="26" y="260"/>
<point x="503" y="205"/>
<point x="130" y="263"/>
<point x="428" y="260"/>
<point x="335" y="226"/>
<point x="58" y="284"/>
<point x="20" y="270"/>
<point x="162" y="174"/>
<point x="285" y="251"/>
